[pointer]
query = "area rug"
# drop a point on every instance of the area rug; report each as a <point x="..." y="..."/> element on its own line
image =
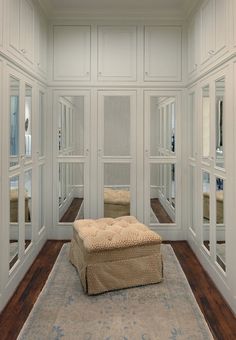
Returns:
<point x="167" y="310"/>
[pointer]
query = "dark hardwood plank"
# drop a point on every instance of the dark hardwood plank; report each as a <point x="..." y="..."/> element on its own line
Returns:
<point x="17" y="310"/>
<point x="72" y="211"/>
<point x="159" y="211"/>
<point x="217" y="313"/>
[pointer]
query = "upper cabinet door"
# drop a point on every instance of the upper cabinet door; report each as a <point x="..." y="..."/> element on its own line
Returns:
<point x="71" y="52"/>
<point x="27" y="29"/>
<point x="14" y="24"/>
<point x="193" y="44"/>
<point x="117" y="51"/>
<point x="1" y="23"/>
<point x="41" y="43"/>
<point x="21" y="29"/>
<point x="213" y="29"/>
<point x="163" y="50"/>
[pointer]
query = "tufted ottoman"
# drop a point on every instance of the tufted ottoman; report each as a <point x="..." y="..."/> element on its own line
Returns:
<point x="115" y="253"/>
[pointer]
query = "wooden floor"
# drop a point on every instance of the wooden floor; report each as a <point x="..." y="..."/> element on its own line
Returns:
<point x="72" y="211"/>
<point x="218" y="315"/>
<point x="159" y="211"/>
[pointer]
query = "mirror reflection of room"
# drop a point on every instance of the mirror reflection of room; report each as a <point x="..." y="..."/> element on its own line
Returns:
<point x="219" y="138"/>
<point x="220" y="224"/>
<point x="14" y="121"/>
<point x="28" y="121"/>
<point x="206" y="122"/>
<point x="206" y="209"/>
<point x="117" y="195"/>
<point x="14" y="221"/>
<point x="162" y="193"/>
<point x="70" y="143"/>
<point x="71" y="191"/>
<point x="162" y="126"/>
<point x="71" y="126"/>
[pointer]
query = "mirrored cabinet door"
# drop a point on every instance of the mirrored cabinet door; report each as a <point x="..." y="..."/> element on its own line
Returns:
<point x="116" y="152"/>
<point x="72" y="129"/>
<point x="160" y="159"/>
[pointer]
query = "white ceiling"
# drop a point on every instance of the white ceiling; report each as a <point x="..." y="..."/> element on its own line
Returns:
<point x="172" y="7"/>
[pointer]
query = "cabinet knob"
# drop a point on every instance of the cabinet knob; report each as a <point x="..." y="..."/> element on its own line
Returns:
<point x="38" y="64"/>
<point x="23" y="50"/>
<point x="195" y="66"/>
<point x="146" y="73"/>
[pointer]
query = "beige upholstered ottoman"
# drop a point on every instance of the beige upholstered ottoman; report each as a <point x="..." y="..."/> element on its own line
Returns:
<point x="115" y="253"/>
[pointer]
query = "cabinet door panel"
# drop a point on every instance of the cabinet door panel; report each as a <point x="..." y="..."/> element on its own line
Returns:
<point x="1" y="22"/>
<point x="27" y="29"/>
<point x="117" y="53"/>
<point x="71" y="52"/>
<point x="163" y="53"/>
<point x="14" y="24"/>
<point x="207" y="31"/>
<point x="41" y="43"/>
<point x="220" y="25"/>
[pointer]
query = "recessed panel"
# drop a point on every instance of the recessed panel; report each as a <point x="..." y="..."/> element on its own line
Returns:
<point x="117" y="52"/>
<point x="71" y="52"/>
<point x="163" y="53"/>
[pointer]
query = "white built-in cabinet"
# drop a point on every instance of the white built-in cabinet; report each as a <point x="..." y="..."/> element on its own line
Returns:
<point x="71" y="52"/>
<point x="214" y="28"/>
<point x="163" y="53"/>
<point x="21" y="29"/>
<point x="117" y="53"/>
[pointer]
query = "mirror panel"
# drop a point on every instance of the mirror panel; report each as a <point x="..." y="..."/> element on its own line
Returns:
<point x="14" y="121"/>
<point x="117" y="195"/>
<point x="206" y="209"/>
<point x="220" y="224"/>
<point x="14" y="221"/>
<point x="71" y="192"/>
<point x="219" y="116"/>
<point x="191" y="125"/>
<point x="41" y="197"/>
<point x="28" y="122"/>
<point x="41" y="124"/>
<point x="162" y="126"/>
<point x="206" y="122"/>
<point x="192" y="200"/>
<point x="28" y="207"/>
<point x="117" y="125"/>
<point x="71" y="120"/>
<point x="162" y="193"/>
